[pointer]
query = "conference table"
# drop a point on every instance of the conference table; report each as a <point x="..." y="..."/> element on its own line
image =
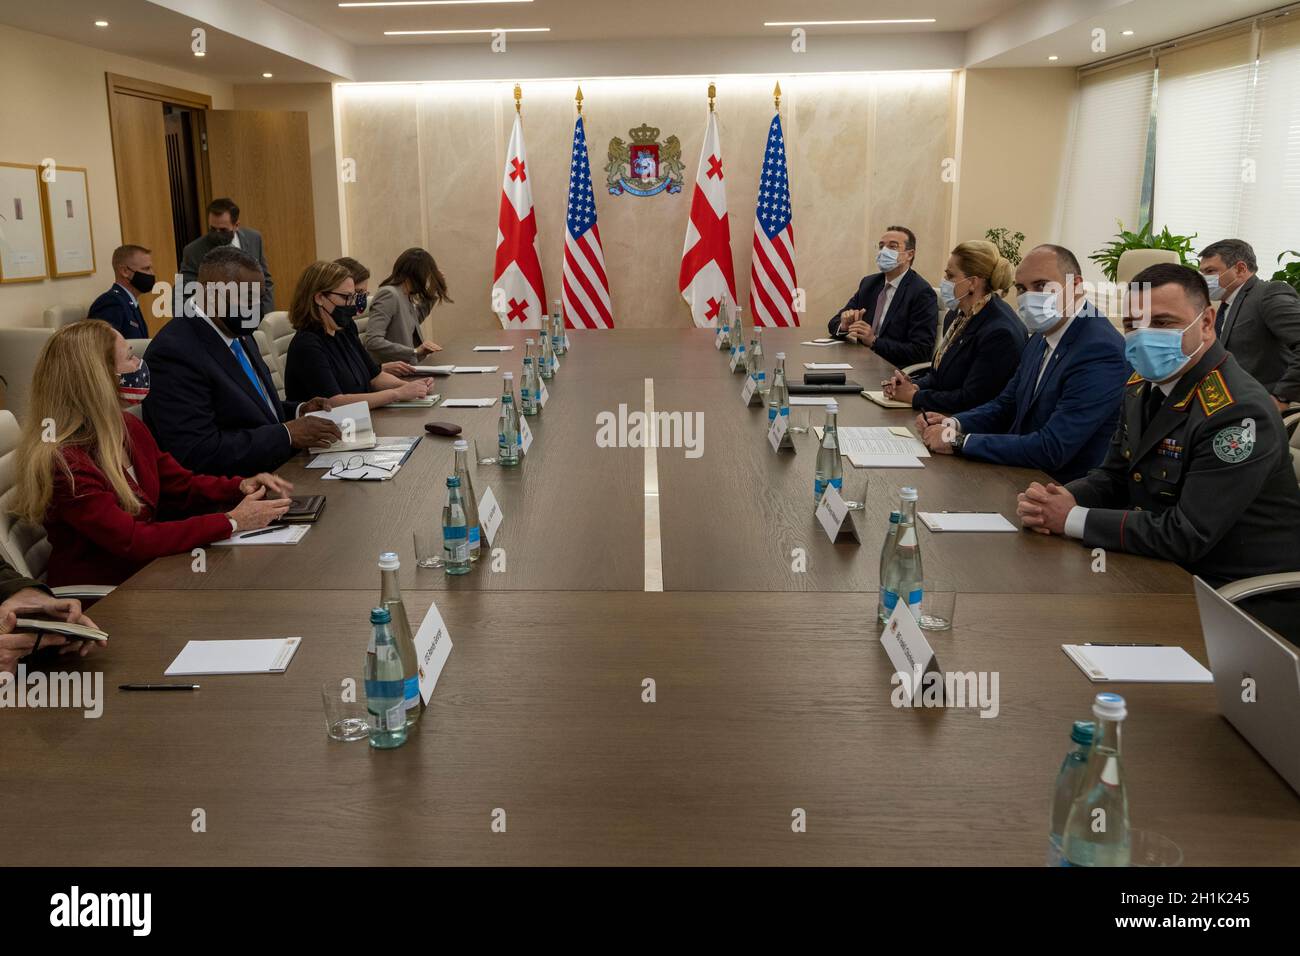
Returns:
<point x="662" y="659"/>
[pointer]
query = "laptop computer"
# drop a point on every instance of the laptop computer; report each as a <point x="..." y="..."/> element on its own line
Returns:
<point x="1257" y="680"/>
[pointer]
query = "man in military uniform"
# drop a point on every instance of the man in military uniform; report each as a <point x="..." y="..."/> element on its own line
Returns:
<point x="1198" y="471"/>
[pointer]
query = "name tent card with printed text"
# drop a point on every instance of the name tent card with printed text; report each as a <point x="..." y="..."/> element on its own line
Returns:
<point x="833" y="514"/>
<point x="525" y="436"/>
<point x="778" y="434"/>
<point x="432" y="646"/>
<point x="489" y="515"/>
<point x="909" y="651"/>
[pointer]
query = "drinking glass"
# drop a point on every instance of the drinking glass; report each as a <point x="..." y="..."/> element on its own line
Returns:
<point x="345" y="715"/>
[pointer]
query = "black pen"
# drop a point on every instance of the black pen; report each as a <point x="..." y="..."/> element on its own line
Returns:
<point x="157" y="686"/>
<point x="254" y="534"/>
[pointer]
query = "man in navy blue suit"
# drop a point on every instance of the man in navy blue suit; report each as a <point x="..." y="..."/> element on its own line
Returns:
<point x="895" y="312"/>
<point x="1058" y="412"/>
<point x="120" y="306"/>
<point x="212" y="402"/>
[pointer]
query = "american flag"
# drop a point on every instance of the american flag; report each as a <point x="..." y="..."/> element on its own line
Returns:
<point x="771" y="277"/>
<point x="586" y="288"/>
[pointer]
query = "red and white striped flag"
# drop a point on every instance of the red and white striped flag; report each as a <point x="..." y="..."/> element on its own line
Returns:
<point x="518" y="292"/>
<point x="772" y="279"/>
<point x="586" y="288"/>
<point x="707" y="273"/>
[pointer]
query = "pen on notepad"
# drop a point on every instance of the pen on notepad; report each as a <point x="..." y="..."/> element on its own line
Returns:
<point x="157" y="686"/>
<point x="254" y="534"/>
<point x="1095" y="644"/>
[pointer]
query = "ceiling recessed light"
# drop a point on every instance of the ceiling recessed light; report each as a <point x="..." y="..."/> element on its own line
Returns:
<point x="101" y="23"/>
<point x="267" y="75"/>
<point x="1128" y="33"/>
<point x="425" y="33"/>
<point x="840" y="23"/>
<point x="1053" y="57"/>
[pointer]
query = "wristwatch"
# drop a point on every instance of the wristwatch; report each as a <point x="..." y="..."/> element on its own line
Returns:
<point x="959" y="443"/>
<point x="234" y="525"/>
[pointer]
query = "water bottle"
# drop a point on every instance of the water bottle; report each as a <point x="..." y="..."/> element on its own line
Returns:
<point x="1096" y="831"/>
<point x="737" y="329"/>
<point x="778" y="396"/>
<point x="546" y="363"/>
<point x="558" y="343"/>
<point x="724" y="322"/>
<point x="742" y="359"/>
<point x="461" y="448"/>
<point x="829" y="467"/>
<point x="1067" y="786"/>
<point x="754" y="363"/>
<point x="508" y="424"/>
<point x="385" y="694"/>
<point x="455" y="530"/>
<point x="886" y="552"/>
<point x="903" y="574"/>
<point x="390" y="597"/>
<point x="530" y="392"/>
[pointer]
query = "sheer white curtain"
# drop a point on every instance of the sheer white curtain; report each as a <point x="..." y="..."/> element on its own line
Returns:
<point x="1108" y="154"/>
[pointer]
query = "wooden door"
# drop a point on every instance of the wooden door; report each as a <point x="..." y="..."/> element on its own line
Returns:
<point x="143" y="189"/>
<point x="262" y="160"/>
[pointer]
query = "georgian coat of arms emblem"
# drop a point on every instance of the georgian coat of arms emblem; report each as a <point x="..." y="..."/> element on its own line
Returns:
<point x="642" y="167"/>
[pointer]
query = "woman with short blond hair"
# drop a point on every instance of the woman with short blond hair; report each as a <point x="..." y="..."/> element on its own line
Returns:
<point x="92" y="473"/>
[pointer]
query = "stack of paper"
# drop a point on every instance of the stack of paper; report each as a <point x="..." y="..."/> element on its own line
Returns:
<point x="460" y="369"/>
<point x="877" y="447"/>
<point x="964" y="521"/>
<point x="469" y="403"/>
<point x="493" y="348"/>
<point x="235" y="657"/>
<point x="354" y="422"/>
<point x="281" y="534"/>
<point x="1136" y="663"/>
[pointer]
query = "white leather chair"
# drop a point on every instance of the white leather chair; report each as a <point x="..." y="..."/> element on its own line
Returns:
<point x="362" y="321"/>
<point x="24" y="545"/>
<point x="1133" y="261"/>
<point x="267" y="349"/>
<point x="57" y="316"/>
<point x="19" y="348"/>
<point x="279" y="333"/>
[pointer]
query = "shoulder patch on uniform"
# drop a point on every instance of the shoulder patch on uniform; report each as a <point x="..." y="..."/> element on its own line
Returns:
<point x="1234" y="444"/>
<point x="1133" y="379"/>
<point x="1213" y="393"/>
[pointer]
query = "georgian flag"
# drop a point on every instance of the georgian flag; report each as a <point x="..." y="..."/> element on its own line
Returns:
<point x="707" y="273"/>
<point x="518" y="293"/>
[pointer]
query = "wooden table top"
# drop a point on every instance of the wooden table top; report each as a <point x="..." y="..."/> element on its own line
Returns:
<point x="766" y="701"/>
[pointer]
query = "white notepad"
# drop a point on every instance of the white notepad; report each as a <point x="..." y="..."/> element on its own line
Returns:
<point x="883" y="461"/>
<point x="1147" y="665"/>
<point x="823" y="342"/>
<point x="234" y="657"/>
<point x="434" y="369"/>
<point x="469" y="403"/>
<point x="353" y="418"/>
<point x="493" y="348"/>
<point x="285" y="534"/>
<point x="964" y="521"/>
<point x="796" y="400"/>
<point x="427" y="402"/>
<point x="879" y="399"/>
<point x="827" y="366"/>
<point x="474" y="368"/>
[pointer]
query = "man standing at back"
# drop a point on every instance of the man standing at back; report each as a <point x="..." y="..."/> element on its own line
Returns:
<point x="895" y="312"/>
<point x="224" y="230"/>
<point x="212" y="402"/>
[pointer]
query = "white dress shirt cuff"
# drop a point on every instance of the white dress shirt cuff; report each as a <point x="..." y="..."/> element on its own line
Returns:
<point x="1075" y="521"/>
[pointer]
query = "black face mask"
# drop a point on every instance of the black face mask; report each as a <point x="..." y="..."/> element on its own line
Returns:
<point x="143" y="282"/>
<point x="223" y="237"/>
<point x="343" y="313"/>
<point x="362" y="299"/>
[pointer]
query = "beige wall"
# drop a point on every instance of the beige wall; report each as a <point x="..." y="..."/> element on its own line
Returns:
<point x="56" y="105"/>
<point x="1014" y="137"/>
<point x="317" y="101"/>
<point x="864" y="150"/>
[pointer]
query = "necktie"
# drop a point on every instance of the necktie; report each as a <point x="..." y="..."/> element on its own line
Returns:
<point x="1047" y="357"/>
<point x="1154" y="401"/>
<point x="1221" y="319"/>
<point x="242" y="357"/>
<point x="879" y="317"/>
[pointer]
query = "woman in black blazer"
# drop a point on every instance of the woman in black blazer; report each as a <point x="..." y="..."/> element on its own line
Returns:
<point x="326" y="356"/>
<point x="982" y="340"/>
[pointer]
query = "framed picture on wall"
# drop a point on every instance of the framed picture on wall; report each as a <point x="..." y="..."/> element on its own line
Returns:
<point x="69" y="242"/>
<point x="22" y="226"/>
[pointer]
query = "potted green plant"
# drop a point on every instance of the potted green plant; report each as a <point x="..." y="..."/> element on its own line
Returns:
<point x="1008" y="243"/>
<point x="1145" y="238"/>
<point x="1289" y="273"/>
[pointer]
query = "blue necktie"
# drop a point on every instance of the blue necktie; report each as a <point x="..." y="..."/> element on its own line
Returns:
<point x="252" y="375"/>
<point x="1221" y="319"/>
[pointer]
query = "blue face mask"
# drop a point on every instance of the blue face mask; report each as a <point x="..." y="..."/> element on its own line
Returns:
<point x="1216" y="290"/>
<point x="948" y="294"/>
<point x="1157" y="354"/>
<point x="887" y="259"/>
<point x="1038" y="310"/>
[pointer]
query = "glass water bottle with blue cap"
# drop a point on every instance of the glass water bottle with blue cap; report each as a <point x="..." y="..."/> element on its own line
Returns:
<point x="1067" y="787"/>
<point x="1097" y="832"/>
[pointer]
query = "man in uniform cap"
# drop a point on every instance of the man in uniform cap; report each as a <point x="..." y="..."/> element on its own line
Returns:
<point x="1198" y="471"/>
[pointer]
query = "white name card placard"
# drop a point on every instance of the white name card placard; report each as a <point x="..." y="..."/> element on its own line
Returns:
<point x="543" y="395"/>
<point x="832" y="512"/>
<point x="747" y="392"/>
<point x="908" y="650"/>
<point x="432" y="646"/>
<point x="525" y="436"/>
<point x="778" y="433"/>
<point x="489" y="515"/>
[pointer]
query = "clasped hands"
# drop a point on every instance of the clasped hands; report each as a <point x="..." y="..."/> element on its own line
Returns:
<point x="856" y="328"/>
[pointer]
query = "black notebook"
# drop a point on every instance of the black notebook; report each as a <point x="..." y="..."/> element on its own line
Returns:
<point x="305" y="509"/>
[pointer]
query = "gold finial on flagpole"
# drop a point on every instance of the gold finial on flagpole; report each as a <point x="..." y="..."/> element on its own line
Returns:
<point x="713" y="92"/>
<point x="776" y="95"/>
<point x="519" y="95"/>
<point x="578" y="99"/>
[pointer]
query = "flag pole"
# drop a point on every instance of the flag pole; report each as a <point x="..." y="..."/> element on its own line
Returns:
<point x="713" y="92"/>
<point x="578" y="100"/>
<point x="519" y="95"/>
<point x="776" y="96"/>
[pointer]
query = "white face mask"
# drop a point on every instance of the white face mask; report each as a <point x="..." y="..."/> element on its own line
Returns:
<point x="1216" y="290"/>
<point x="887" y="259"/>
<point x="1039" y="310"/>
